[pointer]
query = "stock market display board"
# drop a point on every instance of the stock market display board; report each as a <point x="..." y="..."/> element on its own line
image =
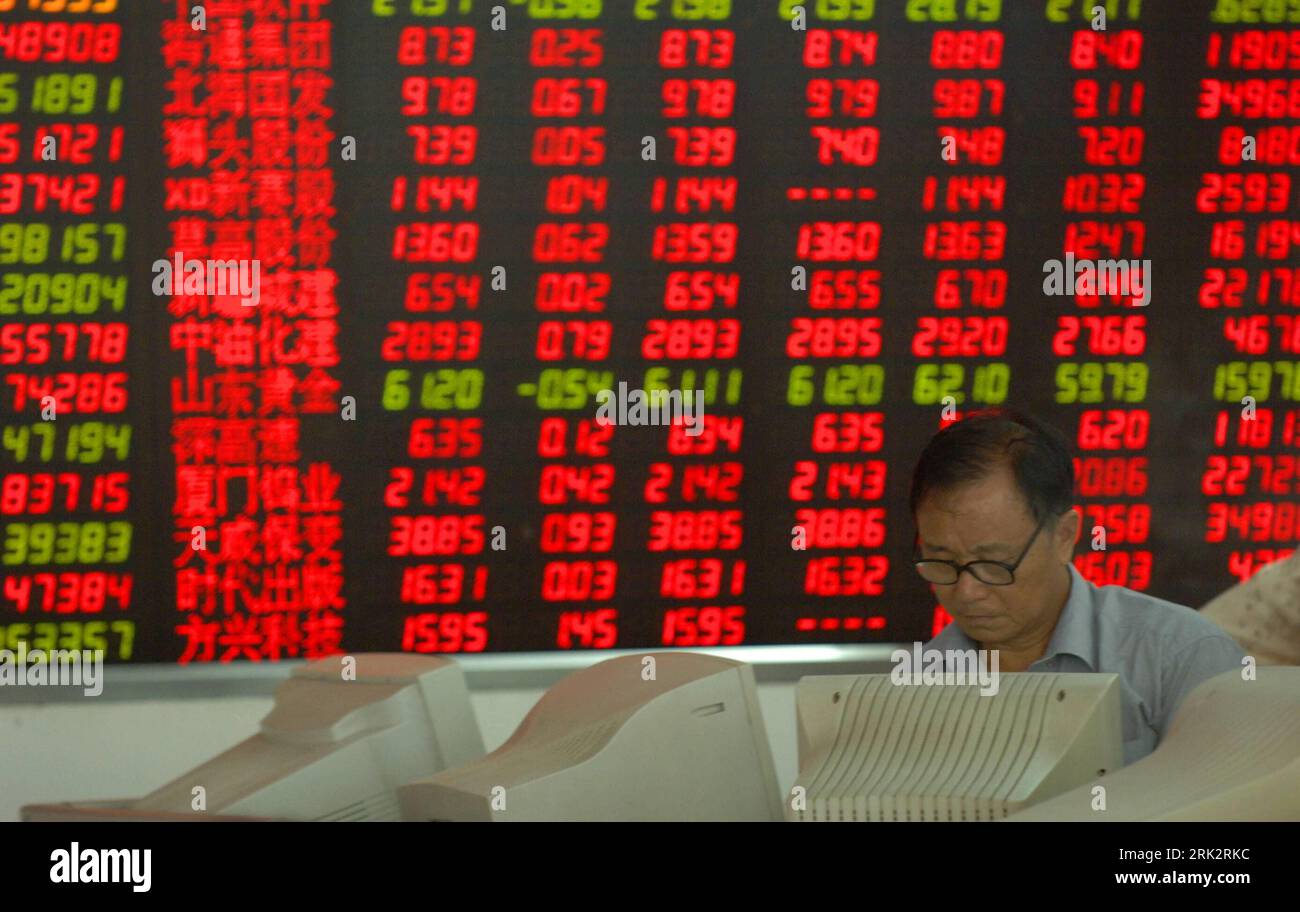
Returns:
<point x="309" y="310"/>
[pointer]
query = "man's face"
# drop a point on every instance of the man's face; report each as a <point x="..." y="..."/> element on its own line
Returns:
<point x="990" y="520"/>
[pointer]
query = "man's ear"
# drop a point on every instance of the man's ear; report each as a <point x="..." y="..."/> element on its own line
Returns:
<point x="1067" y="530"/>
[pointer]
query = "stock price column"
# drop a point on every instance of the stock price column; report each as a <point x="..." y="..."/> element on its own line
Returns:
<point x="966" y="226"/>
<point x="574" y="296"/>
<point x="970" y="236"/>
<point x="833" y="379"/>
<point x="1249" y="103"/>
<point x="694" y="488"/>
<point x="1109" y="319"/>
<point x="68" y="412"/>
<point x="944" y="277"/>
<point x="432" y="345"/>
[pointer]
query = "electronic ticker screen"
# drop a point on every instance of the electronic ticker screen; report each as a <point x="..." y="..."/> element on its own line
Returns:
<point x="350" y="325"/>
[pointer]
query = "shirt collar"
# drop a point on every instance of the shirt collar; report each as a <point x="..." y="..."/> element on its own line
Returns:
<point x="1074" y="633"/>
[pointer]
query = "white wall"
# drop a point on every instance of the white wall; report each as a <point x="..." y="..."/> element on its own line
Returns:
<point x="105" y="750"/>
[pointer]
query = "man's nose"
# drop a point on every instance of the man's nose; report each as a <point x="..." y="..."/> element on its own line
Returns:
<point x="969" y="588"/>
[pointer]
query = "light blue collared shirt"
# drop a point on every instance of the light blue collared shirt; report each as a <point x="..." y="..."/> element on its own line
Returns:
<point x="1160" y="651"/>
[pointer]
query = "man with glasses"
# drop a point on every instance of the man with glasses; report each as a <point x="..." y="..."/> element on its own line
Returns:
<point x="993" y="501"/>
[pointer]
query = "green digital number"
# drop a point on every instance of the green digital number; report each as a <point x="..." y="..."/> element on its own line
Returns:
<point x="449" y="388"/>
<point x="58" y="293"/>
<point x="1235" y="380"/>
<point x="421" y="7"/>
<point x="70" y="635"/>
<point x="82" y="243"/>
<point x="89" y="441"/>
<point x="718" y="385"/>
<point x="831" y="10"/>
<point x="397" y="392"/>
<point x="854" y="384"/>
<point x="1086" y="383"/>
<point x="64" y="93"/>
<point x="8" y="93"/>
<point x="562" y="9"/>
<point x="991" y="382"/>
<point x="694" y="10"/>
<point x="67" y="543"/>
<point x="22" y="242"/>
<point x="800" y="388"/>
<point x="952" y="10"/>
<point x="568" y="388"/>
<point x="684" y="10"/>
<point x="932" y="382"/>
<point x="1255" y="11"/>
<point x="1058" y="11"/>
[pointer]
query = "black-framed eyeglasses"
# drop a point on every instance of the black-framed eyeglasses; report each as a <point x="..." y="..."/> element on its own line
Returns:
<point x="991" y="572"/>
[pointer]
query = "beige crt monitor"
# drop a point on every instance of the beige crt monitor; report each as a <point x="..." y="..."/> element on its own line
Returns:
<point x="871" y="749"/>
<point x="1232" y="752"/>
<point x="336" y="747"/>
<point x="661" y="736"/>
